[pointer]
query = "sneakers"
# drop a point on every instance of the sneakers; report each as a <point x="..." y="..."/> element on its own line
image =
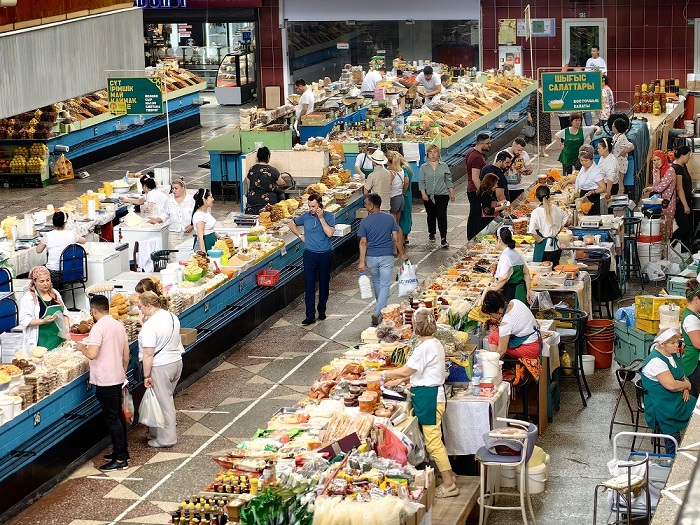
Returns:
<point x="309" y="320"/>
<point x="440" y="492"/>
<point x="114" y="465"/>
<point x="376" y="319"/>
<point x="431" y="237"/>
<point x="443" y="244"/>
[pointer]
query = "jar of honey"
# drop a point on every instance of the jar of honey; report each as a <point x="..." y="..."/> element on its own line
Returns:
<point x="374" y="382"/>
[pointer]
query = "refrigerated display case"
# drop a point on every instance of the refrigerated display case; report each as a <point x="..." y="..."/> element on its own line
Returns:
<point x="236" y="79"/>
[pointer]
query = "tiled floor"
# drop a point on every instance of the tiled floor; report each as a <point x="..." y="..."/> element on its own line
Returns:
<point x="265" y="372"/>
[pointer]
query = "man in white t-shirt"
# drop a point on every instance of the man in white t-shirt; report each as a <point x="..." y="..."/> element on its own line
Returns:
<point x="372" y="77"/>
<point x="519" y="166"/>
<point x="430" y="83"/>
<point x="595" y="63"/>
<point x="306" y="102"/>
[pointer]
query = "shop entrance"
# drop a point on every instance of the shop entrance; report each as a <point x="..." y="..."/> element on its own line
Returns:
<point x="579" y="34"/>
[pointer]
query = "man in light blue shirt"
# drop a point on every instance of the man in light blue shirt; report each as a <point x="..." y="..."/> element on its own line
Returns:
<point x="318" y="226"/>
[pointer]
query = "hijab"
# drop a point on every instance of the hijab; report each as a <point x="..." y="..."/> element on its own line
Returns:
<point x="665" y="166"/>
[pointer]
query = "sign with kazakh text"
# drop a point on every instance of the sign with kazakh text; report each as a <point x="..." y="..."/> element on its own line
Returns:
<point x="572" y="91"/>
<point x="135" y="95"/>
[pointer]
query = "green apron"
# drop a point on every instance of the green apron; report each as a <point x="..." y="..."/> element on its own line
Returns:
<point x="515" y="287"/>
<point x="691" y="355"/>
<point x="572" y="143"/>
<point x="209" y="240"/>
<point x="516" y="340"/>
<point x="540" y="247"/>
<point x="661" y="407"/>
<point x="48" y="333"/>
<point x="424" y="401"/>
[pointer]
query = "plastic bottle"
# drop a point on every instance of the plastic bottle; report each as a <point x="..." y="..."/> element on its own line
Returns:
<point x="180" y="275"/>
<point x="477" y="374"/>
<point x="365" y="286"/>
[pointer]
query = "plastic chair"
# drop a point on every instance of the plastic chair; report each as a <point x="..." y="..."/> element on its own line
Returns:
<point x="74" y="270"/>
<point x="631" y="263"/>
<point x="160" y="259"/>
<point x="487" y="459"/>
<point x="598" y="266"/>
<point x="6" y="280"/>
<point x="9" y="314"/>
<point x="571" y="326"/>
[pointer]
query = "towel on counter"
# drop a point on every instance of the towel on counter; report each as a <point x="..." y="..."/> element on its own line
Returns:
<point x="411" y="151"/>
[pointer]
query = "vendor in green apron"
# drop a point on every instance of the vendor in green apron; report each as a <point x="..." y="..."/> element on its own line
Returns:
<point x="41" y="312"/>
<point x="545" y="224"/>
<point x="203" y="221"/>
<point x="668" y="404"/>
<point x="690" y="326"/>
<point x="572" y="138"/>
<point x="513" y="277"/>
<point x="426" y="370"/>
<point x="363" y="164"/>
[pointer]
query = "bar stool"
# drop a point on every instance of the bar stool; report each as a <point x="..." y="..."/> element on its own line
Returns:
<point x="631" y="263"/>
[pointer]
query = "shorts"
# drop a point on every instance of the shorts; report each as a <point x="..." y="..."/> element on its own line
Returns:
<point x="396" y="204"/>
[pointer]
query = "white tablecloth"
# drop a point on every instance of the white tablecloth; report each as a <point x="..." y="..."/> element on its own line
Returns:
<point x="467" y="419"/>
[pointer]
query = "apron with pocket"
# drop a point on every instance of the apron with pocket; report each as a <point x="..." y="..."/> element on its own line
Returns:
<point x="48" y="333"/>
<point x="424" y="401"/>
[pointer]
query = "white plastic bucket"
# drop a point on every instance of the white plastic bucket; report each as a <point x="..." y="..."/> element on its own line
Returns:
<point x="2" y="417"/>
<point x="588" y="364"/>
<point x="7" y="403"/>
<point x="651" y="227"/>
<point x="537" y="477"/>
<point x="491" y="363"/>
<point x="649" y="252"/>
<point x="689" y="126"/>
<point x="508" y="476"/>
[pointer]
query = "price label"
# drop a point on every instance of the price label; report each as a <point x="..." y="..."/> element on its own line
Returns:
<point x="376" y="493"/>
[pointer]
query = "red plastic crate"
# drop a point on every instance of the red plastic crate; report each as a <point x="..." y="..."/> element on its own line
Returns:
<point x="268" y="277"/>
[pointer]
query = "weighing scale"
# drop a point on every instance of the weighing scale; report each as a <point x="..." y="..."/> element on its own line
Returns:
<point x="589" y="223"/>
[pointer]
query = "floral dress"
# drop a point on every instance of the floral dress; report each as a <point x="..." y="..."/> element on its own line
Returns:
<point x="666" y="185"/>
<point x="544" y="123"/>
<point x="262" y="187"/>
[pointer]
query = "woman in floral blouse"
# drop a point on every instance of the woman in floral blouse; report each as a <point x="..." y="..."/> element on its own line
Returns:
<point x="664" y="179"/>
<point x="608" y="102"/>
<point x="264" y="184"/>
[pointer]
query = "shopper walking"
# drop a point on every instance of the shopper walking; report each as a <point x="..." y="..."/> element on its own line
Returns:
<point x="160" y="352"/>
<point x="425" y="370"/>
<point x="608" y="102"/>
<point x="108" y="351"/>
<point x="543" y="135"/>
<point x="399" y="184"/>
<point x="520" y="165"/>
<point x="437" y="189"/>
<point x="319" y="226"/>
<point x="379" y="238"/>
<point x="622" y="147"/>
<point x="379" y="181"/>
<point x="571" y="139"/>
<point x="475" y="160"/>
<point x="178" y="210"/>
<point x="684" y="189"/>
<point x="405" y="220"/>
<point x="499" y="166"/>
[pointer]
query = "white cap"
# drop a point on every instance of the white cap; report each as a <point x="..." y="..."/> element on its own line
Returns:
<point x="667" y="334"/>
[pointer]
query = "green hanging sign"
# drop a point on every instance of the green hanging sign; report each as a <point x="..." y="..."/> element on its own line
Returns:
<point x="135" y="95"/>
<point x="572" y="91"/>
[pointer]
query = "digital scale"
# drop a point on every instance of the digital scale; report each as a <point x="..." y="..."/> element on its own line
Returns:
<point x="589" y="223"/>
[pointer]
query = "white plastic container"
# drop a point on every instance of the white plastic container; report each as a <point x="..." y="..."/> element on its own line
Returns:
<point x="649" y="252"/>
<point x="508" y="476"/>
<point x="537" y="477"/>
<point x="492" y="364"/>
<point x="7" y="403"/>
<point x="669" y="316"/>
<point x="651" y="227"/>
<point x="2" y="417"/>
<point x="588" y="364"/>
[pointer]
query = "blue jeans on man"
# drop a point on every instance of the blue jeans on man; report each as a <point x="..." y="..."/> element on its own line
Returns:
<point x="381" y="269"/>
<point x="317" y="269"/>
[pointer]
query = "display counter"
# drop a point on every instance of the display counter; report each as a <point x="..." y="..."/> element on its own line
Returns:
<point x="37" y="445"/>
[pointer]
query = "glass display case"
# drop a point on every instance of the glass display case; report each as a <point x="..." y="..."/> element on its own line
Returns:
<point x="236" y="79"/>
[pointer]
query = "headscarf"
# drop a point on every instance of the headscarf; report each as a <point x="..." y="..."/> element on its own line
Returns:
<point x="667" y="334"/>
<point x="34" y="274"/>
<point x="664" y="162"/>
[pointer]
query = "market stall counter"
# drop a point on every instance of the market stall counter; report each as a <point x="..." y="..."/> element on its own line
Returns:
<point x="38" y="443"/>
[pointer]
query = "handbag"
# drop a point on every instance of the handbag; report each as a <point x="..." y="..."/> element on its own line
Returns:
<point x="529" y="131"/>
<point x="408" y="281"/>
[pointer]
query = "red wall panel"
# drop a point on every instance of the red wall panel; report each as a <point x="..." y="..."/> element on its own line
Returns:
<point x="647" y="39"/>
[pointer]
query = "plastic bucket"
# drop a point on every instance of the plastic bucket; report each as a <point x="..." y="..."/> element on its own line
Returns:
<point x="651" y="227"/>
<point x="588" y="364"/>
<point x="649" y="252"/>
<point x="689" y="126"/>
<point x="508" y="476"/>
<point x="537" y="476"/>
<point x="600" y="337"/>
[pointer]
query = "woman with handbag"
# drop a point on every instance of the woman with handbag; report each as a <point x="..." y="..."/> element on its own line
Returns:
<point x="160" y="352"/>
<point x="426" y="371"/>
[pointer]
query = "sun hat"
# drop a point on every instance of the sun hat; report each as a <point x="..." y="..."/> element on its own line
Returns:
<point x="378" y="157"/>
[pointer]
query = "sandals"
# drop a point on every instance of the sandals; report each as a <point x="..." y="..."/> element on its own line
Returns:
<point x="440" y="492"/>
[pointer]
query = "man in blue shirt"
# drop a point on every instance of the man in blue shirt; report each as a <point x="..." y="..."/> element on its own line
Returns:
<point x="318" y="226"/>
<point x="379" y="238"/>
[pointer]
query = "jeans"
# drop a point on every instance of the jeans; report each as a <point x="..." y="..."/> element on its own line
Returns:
<point x="474" y="219"/>
<point x="110" y="400"/>
<point x="437" y="211"/>
<point x="588" y="118"/>
<point x="317" y="266"/>
<point x="381" y="269"/>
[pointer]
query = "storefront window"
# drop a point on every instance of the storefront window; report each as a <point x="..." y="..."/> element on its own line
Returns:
<point x="318" y="49"/>
<point x="199" y="47"/>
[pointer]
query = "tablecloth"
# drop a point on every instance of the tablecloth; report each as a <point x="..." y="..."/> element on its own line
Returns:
<point x="467" y="419"/>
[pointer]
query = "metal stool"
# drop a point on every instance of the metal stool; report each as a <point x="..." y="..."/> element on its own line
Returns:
<point x="682" y="139"/>
<point x="631" y="263"/>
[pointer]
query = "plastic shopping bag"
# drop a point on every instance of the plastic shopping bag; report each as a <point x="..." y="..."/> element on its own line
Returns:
<point x="150" y="413"/>
<point x="62" y="322"/>
<point x="391" y="447"/>
<point x="128" y="406"/>
<point x="408" y="281"/>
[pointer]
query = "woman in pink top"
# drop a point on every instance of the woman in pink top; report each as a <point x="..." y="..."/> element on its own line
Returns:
<point x="664" y="178"/>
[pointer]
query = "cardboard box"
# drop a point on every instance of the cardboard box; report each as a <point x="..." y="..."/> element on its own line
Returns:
<point x="361" y="213"/>
<point x="341" y="230"/>
<point x="188" y="336"/>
